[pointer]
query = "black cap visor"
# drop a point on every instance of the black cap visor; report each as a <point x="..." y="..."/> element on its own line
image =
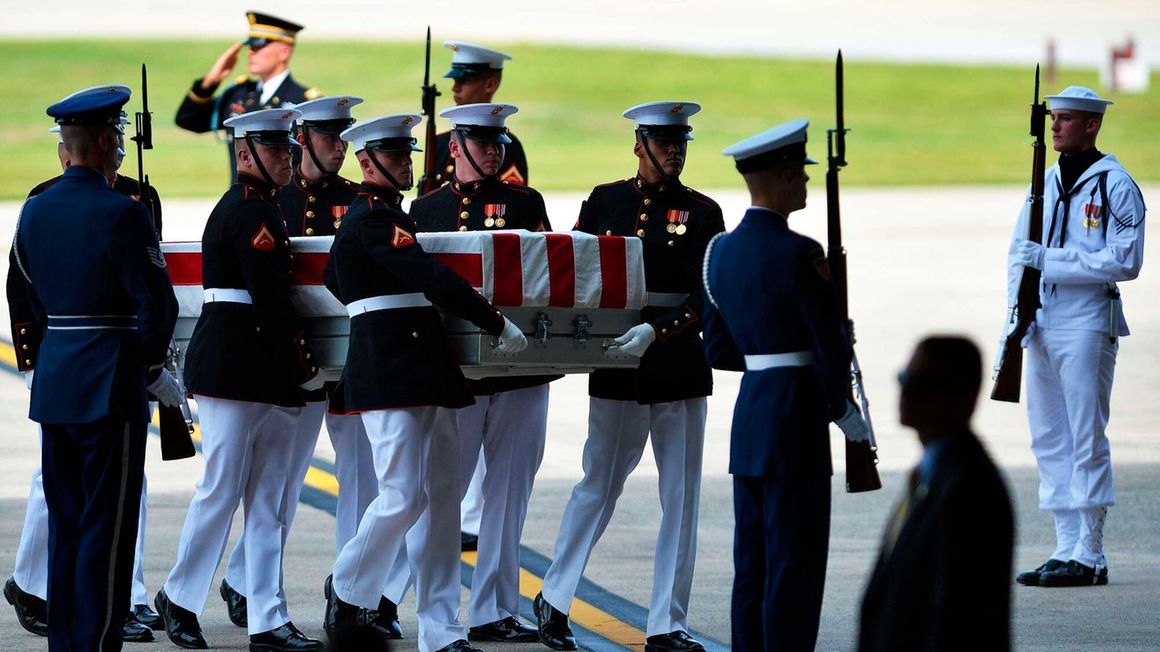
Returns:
<point x="393" y="145"/>
<point x="667" y="132"/>
<point x="498" y="135"/>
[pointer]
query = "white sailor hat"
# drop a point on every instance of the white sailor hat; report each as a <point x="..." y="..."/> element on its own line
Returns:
<point x="387" y="133"/>
<point x="55" y="129"/>
<point x="468" y="60"/>
<point x="268" y="126"/>
<point x="483" y="122"/>
<point x="668" y="120"/>
<point x="1079" y="98"/>
<point x="780" y="145"/>
<point x="328" y="115"/>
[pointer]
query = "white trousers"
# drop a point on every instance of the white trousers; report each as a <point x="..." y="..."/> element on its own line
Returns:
<point x="617" y="431"/>
<point x="302" y="438"/>
<point x="354" y="466"/>
<point x="1069" y="389"/>
<point x="247" y="460"/>
<point x="31" y="569"/>
<point x="416" y="453"/>
<point x="471" y="507"/>
<point x="510" y="429"/>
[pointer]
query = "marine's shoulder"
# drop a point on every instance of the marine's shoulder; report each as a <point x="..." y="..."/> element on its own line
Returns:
<point x="702" y="199"/>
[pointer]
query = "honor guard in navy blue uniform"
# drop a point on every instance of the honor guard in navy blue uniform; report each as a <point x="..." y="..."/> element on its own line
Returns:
<point x="403" y="378"/>
<point x="28" y="586"/>
<point x="312" y="204"/>
<point x="476" y="73"/>
<point x="247" y="364"/>
<point x="665" y="398"/>
<point x="88" y="268"/>
<point x="509" y="419"/>
<point x="267" y="84"/>
<point x="791" y="343"/>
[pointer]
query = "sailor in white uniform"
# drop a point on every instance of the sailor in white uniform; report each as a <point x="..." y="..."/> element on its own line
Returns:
<point x="1093" y="237"/>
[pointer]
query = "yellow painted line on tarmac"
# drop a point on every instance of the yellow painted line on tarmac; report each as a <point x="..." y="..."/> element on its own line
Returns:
<point x="585" y="614"/>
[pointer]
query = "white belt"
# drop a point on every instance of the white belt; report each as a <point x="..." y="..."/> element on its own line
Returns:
<point x="387" y="302"/>
<point x="667" y="299"/>
<point x="228" y="295"/>
<point x="775" y="360"/>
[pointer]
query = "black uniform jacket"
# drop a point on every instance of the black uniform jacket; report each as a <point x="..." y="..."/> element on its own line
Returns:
<point x="398" y="357"/>
<point x="513" y="168"/>
<point x="201" y="111"/>
<point x="467" y="206"/>
<point x="945" y="584"/>
<point x="25" y="335"/>
<point x="674" y="367"/>
<point x="315" y="208"/>
<point x="248" y="352"/>
<point x="88" y="274"/>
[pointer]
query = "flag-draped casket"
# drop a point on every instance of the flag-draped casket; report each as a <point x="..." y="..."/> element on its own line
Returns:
<point x="569" y="292"/>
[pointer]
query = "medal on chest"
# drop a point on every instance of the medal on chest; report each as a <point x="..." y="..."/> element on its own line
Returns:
<point x="494" y="213"/>
<point x="1091" y="216"/>
<point x="677" y="220"/>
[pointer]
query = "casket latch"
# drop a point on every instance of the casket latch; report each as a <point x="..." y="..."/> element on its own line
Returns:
<point x="582" y="324"/>
<point x="543" y="329"/>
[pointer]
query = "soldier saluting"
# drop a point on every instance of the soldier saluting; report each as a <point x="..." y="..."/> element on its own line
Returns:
<point x="247" y="364"/>
<point x="402" y="377"/>
<point x="271" y="42"/>
<point x="664" y="398"/>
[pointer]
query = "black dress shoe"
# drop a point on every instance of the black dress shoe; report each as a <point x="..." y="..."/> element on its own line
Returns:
<point x="459" y="646"/>
<point x="133" y="631"/>
<point x="384" y="620"/>
<point x="286" y="638"/>
<point x="508" y="630"/>
<point x="468" y="542"/>
<point x="552" y="625"/>
<point x="235" y="604"/>
<point x="181" y="625"/>
<point x="148" y="617"/>
<point x="1074" y="573"/>
<point x="1031" y="577"/>
<point x="678" y="640"/>
<point x="31" y="611"/>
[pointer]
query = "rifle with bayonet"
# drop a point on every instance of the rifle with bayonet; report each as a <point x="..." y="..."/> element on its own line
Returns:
<point x="1009" y="363"/>
<point x="428" y="181"/>
<point x="175" y="423"/>
<point x="861" y="457"/>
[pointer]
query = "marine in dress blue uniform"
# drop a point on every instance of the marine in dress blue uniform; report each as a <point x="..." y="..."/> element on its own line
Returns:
<point x="1093" y="239"/>
<point x="91" y="271"/>
<point x="28" y="587"/>
<point x="789" y="340"/>
<point x="664" y="399"/>
<point x="313" y="204"/>
<point x="476" y="73"/>
<point x="403" y="378"/>
<point x="508" y="422"/>
<point x="267" y="85"/>
<point x="247" y="364"/>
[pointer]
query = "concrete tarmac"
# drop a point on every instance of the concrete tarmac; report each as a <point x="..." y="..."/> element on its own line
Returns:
<point x="921" y="261"/>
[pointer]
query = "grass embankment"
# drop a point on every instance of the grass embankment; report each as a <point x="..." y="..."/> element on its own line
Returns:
<point x="911" y="124"/>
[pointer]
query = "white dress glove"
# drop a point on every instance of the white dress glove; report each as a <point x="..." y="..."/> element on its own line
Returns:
<point x="853" y="425"/>
<point x="167" y="390"/>
<point x="28" y="378"/>
<point x="315" y="382"/>
<point x="512" y="339"/>
<point x="1030" y="254"/>
<point x="636" y="341"/>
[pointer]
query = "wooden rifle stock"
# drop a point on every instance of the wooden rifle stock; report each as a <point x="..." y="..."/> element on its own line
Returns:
<point x="1009" y="368"/>
<point x="861" y="457"/>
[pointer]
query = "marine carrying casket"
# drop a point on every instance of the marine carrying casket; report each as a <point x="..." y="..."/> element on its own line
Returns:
<point x="569" y="292"/>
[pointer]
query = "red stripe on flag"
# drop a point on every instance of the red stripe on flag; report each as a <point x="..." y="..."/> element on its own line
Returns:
<point x="184" y="267"/>
<point x="613" y="272"/>
<point x="509" y="270"/>
<point x="469" y="266"/>
<point x="561" y="270"/>
<point x="307" y="268"/>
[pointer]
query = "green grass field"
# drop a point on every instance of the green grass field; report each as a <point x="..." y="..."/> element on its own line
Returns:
<point x="911" y="124"/>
